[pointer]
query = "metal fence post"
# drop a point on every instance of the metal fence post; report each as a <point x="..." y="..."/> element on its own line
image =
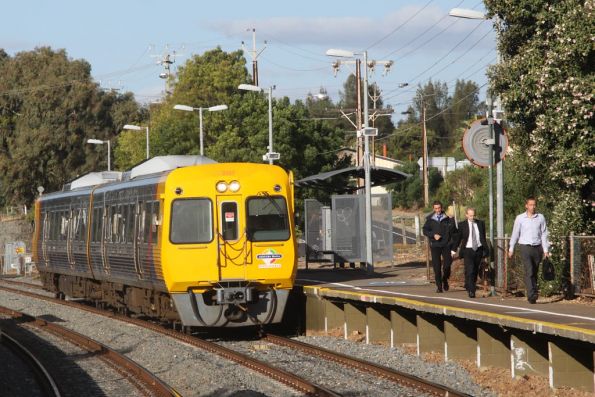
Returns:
<point x="505" y="275"/>
<point x="573" y="281"/>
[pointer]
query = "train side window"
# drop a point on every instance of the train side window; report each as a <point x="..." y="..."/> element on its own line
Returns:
<point x="155" y="221"/>
<point x="82" y="224"/>
<point x="229" y="220"/>
<point x="123" y="226"/>
<point x="96" y="225"/>
<point x="140" y="233"/>
<point x="147" y="209"/>
<point x="107" y="226"/>
<point x="116" y="216"/>
<point x="129" y="229"/>
<point x="267" y="219"/>
<point x="64" y="225"/>
<point x="191" y="221"/>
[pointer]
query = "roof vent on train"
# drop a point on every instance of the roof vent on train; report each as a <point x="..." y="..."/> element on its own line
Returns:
<point x="93" y="178"/>
<point x="167" y="163"/>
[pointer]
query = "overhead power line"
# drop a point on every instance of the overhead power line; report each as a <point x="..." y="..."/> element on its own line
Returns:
<point x="400" y="26"/>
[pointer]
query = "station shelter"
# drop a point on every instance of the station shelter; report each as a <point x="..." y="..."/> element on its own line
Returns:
<point x="335" y="231"/>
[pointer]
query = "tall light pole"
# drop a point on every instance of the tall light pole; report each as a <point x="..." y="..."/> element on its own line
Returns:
<point x="139" y="128"/>
<point x="100" y="142"/>
<point x="367" y="132"/>
<point x="187" y="108"/>
<point x="472" y="14"/>
<point x="270" y="155"/>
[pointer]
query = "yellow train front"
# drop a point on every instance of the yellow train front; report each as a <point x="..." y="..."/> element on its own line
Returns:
<point x="228" y="246"/>
<point x="177" y="238"/>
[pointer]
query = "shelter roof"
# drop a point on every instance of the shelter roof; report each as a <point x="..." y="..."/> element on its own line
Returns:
<point x="336" y="181"/>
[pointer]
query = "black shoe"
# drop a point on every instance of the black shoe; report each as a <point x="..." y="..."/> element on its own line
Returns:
<point x="471" y="294"/>
<point x="445" y="285"/>
<point x="439" y="290"/>
<point x="532" y="300"/>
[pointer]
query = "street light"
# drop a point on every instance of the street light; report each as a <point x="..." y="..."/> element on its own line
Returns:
<point x="187" y="108"/>
<point x="100" y="142"/>
<point x="472" y="14"/>
<point x="270" y="155"/>
<point x="139" y="128"/>
<point x="333" y="52"/>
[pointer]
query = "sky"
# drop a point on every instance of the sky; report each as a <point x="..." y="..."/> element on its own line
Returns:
<point x="125" y="40"/>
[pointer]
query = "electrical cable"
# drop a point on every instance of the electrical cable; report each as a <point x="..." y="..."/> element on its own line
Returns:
<point x="399" y="26"/>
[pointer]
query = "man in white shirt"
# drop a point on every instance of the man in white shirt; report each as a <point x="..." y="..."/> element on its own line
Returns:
<point x="530" y="231"/>
<point x="472" y="247"/>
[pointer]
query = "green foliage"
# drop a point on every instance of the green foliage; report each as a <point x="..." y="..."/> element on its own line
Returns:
<point x="409" y="193"/>
<point x="546" y="82"/>
<point x="49" y="107"/>
<point x="446" y="119"/>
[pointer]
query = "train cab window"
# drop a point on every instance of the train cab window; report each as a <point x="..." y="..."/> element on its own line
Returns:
<point x="191" y="221"/>
<point x="267" y="219"/>
<point x="229" y="220"/>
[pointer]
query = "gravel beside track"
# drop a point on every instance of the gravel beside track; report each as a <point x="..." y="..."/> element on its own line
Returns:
<point x="448" y="374"/>
<point x="343" y="380"/>
<point x="191" y="371"/>
<point x="77" y="372"/>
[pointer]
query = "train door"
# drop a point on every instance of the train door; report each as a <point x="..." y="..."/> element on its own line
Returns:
<point x="232" y="239"/>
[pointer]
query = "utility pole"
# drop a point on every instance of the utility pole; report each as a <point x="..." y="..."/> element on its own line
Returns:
<point x="425" y="154"/>
<point x="358" y="114"/>
<point x="254" y="54"/>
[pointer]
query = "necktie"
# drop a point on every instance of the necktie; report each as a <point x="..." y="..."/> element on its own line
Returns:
<point x="474" y="244"/>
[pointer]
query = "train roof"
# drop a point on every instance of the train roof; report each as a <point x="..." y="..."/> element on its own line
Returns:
<point x="155" y="165"/>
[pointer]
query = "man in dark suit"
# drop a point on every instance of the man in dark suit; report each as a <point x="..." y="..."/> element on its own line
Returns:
<point x="441" y="230"/>
<point x="472" y="247"/>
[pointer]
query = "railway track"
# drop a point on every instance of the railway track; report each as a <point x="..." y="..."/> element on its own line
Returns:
<point x="289" y="379"/>
<point x="294" y="381"/>
<point x="401" y="378"/>
<point x="143" y="380"/>
<point x="44" y="379"/>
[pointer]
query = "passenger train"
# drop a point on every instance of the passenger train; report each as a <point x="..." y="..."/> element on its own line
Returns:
<point x="178" y="238"/>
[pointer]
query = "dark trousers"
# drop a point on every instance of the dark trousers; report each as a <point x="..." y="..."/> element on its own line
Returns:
<point x="531" y="256"/>
<point x="472" y="260"/>
<point x="441" y="260"/>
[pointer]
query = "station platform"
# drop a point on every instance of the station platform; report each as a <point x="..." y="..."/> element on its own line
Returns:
<point x="402" y="286"/>
<point x="396" y="305"/>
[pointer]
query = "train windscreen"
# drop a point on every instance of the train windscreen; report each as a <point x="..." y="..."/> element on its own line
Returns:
<point x="191" y="221"/>
<point x="267" y="219"/>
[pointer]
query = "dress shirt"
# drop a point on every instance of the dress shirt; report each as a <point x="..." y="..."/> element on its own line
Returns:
<point x="438" y="217"/>
<point x="529" y="231"/>
<point x="476" y="231"/>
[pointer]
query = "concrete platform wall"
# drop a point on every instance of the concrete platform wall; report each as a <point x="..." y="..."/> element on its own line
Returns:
<point x="562" y="361"/>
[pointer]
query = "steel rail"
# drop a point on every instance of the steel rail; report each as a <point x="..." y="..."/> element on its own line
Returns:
<point x="44" y="379"/>
<point x="287" y="378"/>
<point x="399" y="377"/>
<point x="140" y="377"/>
<point x="21" y="283"/>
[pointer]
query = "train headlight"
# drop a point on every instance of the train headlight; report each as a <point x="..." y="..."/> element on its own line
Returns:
<point x="277" y="188"/>
<point x="221" y="186"/>
<point x="234" y="186"/>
